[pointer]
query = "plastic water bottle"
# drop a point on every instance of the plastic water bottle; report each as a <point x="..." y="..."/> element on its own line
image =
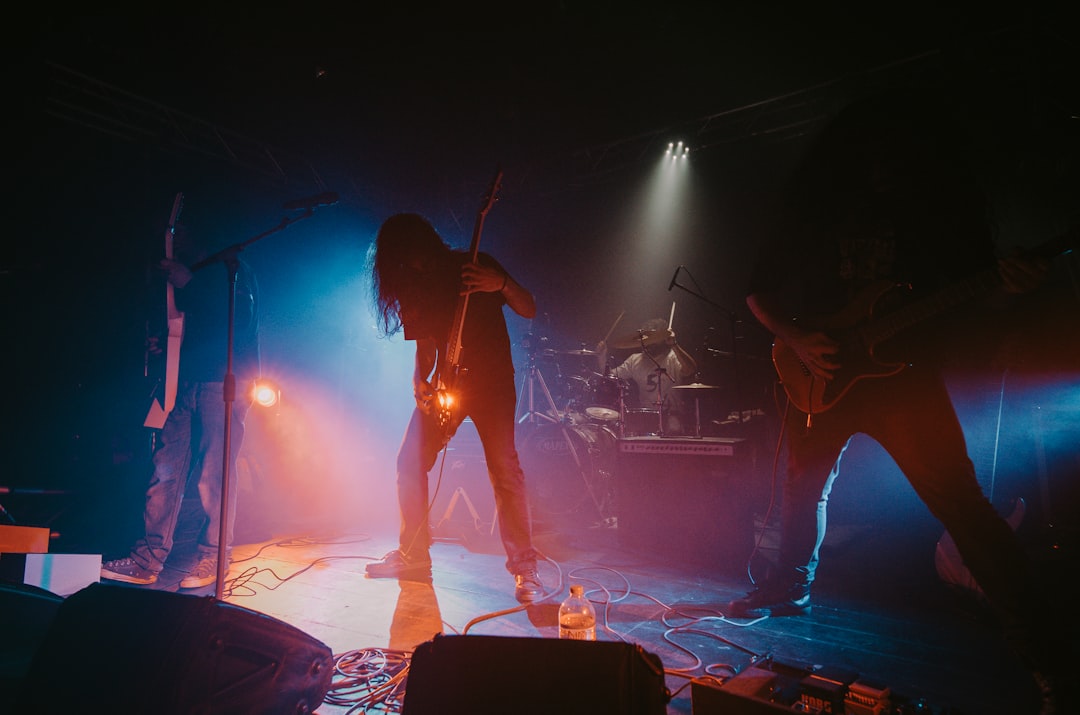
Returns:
<point x="577" y="617"/>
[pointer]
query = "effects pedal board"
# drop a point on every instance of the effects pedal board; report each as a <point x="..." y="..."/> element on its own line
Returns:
<point x="769" y="687"/>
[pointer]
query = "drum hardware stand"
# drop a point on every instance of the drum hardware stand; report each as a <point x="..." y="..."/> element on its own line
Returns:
<point x="660" y="372"/>
<point x="460" y="493"/>
<point x="529" y="381"/>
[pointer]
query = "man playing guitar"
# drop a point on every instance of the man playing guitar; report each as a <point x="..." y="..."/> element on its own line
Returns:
<point x="417" y="282"/>
<point x="882" y="201"/>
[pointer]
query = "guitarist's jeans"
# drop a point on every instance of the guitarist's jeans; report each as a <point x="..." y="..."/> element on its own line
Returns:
<point x="199" y="414"/>
<point x="912" y="416"/>
<point x="493" y="416"/>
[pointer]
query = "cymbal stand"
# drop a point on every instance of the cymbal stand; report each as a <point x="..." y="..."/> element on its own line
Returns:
<point x="660" y="372"/>
<point x="532" y="378"/>
<point x="697" y="417"/>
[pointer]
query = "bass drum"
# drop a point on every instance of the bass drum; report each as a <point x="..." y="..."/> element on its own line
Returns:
<point x="569" y="468"/>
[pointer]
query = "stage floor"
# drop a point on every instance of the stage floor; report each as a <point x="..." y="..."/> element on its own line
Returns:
<point x="660" y="557"/>
<point x="933" y="650"/>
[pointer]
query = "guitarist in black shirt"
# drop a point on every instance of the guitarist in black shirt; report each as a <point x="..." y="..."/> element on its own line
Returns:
<point x="882" y="201"/>
<point x="417" y="280"/>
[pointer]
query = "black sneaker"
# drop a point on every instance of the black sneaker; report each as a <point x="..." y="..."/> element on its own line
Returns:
<point x="128" y="571"/>
<point x="396" y="565"/>
<point x="527" y="586"/>
<point x="771" y="600"/>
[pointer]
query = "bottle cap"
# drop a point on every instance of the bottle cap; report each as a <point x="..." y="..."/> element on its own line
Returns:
<point x="576" y="590"/>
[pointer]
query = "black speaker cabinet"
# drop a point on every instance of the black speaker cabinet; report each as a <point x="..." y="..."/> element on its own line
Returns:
<point x="28" y="612"/>
<point x="131" y="650"/>
<point x="687" y="499"/>
<point x="496" y="675"/>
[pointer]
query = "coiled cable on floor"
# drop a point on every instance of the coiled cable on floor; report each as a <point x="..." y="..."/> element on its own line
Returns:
<point x="370" y="680"/>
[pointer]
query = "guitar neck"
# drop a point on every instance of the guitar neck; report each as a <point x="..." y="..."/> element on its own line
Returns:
<point x="983" y="283"/>
<point x="454" y="344"/>
<point x="882" y="329"/>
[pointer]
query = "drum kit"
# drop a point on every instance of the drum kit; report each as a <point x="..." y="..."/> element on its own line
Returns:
<point x="564" y="386"/>
<point x="573" y="417"/>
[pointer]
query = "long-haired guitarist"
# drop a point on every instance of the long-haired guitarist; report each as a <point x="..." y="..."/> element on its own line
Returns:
<point x="883" y="216"/>
<point x="417" y="283"/>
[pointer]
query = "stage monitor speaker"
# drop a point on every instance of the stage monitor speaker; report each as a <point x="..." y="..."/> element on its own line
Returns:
<point x="131" y="650"/>
<point x="28" y="612"/>
<point x="496" y="675"/>
<point x="686" y="499"/>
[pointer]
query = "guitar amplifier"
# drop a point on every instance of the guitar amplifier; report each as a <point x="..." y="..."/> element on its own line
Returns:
<point x="686" y="498"/>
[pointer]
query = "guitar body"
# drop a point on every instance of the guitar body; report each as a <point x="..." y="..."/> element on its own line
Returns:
<point x="165" y="390"/>
<point x="867" y="324"/>
<point x="857" y="358"/>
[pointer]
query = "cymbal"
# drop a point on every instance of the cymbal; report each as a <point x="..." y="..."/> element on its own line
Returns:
<point x="639" y="338"/>
<point x="576" y="352"/>
<point x="695" y="386"/>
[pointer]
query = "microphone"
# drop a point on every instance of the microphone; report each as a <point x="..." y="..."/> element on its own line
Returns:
<point x="676" y="275"/>
<point x="328" y="198"/>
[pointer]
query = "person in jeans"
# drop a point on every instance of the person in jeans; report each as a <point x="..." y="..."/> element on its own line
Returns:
<point x="191" y="442"/>
<point x="417" y="283"/>
<point x="885" y="211"/>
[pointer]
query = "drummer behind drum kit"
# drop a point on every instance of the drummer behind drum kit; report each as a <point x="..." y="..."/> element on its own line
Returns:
<point x="575" y="421"/>
<point x="577" y="394"/>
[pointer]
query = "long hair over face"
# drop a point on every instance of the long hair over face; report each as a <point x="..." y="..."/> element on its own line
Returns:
<point x="405" y="244"/>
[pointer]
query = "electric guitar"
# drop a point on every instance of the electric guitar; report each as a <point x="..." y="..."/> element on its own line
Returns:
<point x="165" y="397"/>
<point x="449" y="372"/>
<point x="861" y="330"/>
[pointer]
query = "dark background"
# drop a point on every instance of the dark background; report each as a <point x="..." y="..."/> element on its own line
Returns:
<point x="408" y="107"/>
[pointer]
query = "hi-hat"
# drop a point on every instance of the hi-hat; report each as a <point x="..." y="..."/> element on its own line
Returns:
<point x="695" y="386"/>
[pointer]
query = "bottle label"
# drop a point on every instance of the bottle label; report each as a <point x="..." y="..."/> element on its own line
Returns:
<point x="577" y="627"/>
<point x="578" y="634"/>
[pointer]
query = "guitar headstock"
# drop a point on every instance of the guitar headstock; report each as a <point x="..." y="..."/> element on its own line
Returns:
<point x="492" y="194"/>
<point x="177" y="207"/>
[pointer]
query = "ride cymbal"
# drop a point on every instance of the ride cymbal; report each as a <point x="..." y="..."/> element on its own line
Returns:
<point x="695" y="386"/>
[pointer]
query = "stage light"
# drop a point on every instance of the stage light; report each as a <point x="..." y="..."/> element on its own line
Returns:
<point x="676" y="150"/>
<point x="266" y="393"/>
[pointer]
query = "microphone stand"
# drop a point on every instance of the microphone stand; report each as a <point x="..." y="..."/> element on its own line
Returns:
<point x="230" y="258"/>
<point x="660" y="372"/>
<point x="733" y="319"/>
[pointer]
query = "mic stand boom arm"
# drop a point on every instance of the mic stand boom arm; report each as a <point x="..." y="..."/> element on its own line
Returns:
<point x="733" y="320"/>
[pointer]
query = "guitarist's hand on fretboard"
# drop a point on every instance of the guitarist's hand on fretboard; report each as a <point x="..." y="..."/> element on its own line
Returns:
<point x="176" y="272"/>
<point x="477" y="278"/>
